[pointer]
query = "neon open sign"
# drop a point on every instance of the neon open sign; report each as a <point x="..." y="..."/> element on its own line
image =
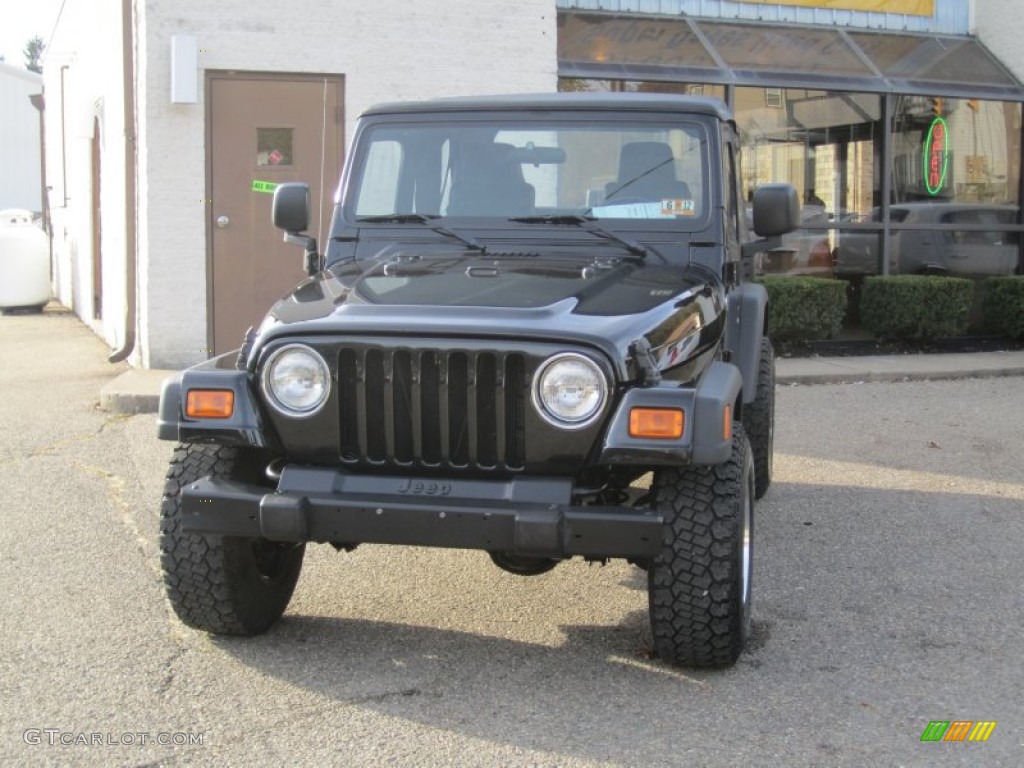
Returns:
<point x="936" y="156"/>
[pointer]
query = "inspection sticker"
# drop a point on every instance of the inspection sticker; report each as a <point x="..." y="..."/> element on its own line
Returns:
<point x="678" y="207"/>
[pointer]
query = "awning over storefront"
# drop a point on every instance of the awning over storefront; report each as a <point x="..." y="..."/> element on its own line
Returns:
<point x="615" y="46"/>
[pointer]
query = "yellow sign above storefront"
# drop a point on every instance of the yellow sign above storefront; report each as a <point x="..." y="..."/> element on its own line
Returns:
<point x="912" y="7"/>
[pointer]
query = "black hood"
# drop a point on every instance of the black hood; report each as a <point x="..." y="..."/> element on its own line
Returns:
<point x="605" y="302"/>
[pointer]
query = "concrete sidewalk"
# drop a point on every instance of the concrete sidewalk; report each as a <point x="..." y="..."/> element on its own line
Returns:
<point x="953" y="365"/>
<point x="138" y="391"/>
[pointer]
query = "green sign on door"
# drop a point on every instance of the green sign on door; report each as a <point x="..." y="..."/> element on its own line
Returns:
<point x="267" y="187"/>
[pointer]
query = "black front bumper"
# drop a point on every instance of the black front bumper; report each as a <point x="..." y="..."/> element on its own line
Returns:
<point x="528" y="516"/>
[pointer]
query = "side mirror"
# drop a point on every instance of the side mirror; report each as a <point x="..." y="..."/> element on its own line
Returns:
<point x="776" y="210"/>
<point x="290" y="210"/>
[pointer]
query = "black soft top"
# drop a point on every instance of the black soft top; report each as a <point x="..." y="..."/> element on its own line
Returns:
<point x="576" y="102"/>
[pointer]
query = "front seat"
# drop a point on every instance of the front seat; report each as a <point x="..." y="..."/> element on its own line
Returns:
<point x="647" y="172"/>
<point x="491" y="183"/>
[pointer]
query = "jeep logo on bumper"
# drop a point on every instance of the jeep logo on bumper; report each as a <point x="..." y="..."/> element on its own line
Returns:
<point x="424" y="488"/>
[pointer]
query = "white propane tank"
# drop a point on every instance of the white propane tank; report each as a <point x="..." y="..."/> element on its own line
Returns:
<point x="24" y="261"/>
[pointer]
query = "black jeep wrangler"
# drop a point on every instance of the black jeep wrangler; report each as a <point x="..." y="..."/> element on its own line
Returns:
<point x="529" y="333"/>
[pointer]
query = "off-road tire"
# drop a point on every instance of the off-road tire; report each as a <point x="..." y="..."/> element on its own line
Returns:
<point x="699" y="584"/>
<point x="224" y="585"/>
<point x="759" y="420"/>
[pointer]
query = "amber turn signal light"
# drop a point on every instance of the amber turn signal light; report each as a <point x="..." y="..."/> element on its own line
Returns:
<point x="210" y="403"/>
<point x="659" y="423"/>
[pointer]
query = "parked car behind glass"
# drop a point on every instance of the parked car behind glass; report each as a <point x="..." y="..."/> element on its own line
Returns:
<point x="924" y="251"/>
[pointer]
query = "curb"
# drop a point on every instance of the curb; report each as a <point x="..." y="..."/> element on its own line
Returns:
<point x="880" y="368"/>
<point x="135" y="391"/>
<point x="868" y="377"/>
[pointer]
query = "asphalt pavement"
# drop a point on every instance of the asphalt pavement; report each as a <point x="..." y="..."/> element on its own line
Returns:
<point x="886" y="595"/>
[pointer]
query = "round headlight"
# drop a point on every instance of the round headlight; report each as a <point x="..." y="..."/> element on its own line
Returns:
<point x="296" y="380"/>
<point x="569" y="391"/>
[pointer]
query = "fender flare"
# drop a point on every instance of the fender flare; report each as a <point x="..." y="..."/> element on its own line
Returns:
<point x="245" y="426"/>
<point x="746" y="315"/>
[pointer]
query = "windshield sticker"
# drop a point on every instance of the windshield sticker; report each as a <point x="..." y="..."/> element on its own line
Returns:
<point x="266" y="187"/>
<point x="678" y="207"/>
<point x="632" y="211"/>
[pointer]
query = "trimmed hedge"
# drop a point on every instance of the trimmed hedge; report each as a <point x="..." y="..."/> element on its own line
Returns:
<point x="804" y="308"/>
<point x="915" y="307"/>
<point x="1003" y="305"/>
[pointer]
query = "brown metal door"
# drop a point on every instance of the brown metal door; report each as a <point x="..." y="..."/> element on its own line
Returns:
<point x="263" y="130"/>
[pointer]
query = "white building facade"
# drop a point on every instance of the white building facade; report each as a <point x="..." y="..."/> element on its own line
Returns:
<point x="136" y="184"/>
<point x="394" y="49"/>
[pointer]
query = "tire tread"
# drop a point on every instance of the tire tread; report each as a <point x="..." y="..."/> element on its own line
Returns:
<point x="204" y="577"/>
<point x="695" y="619"/>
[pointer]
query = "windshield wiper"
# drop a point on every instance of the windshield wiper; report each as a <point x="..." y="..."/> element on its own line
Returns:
<point x="422" y="218"/>
<point x="398" y="218"/>
<point x="555" y="218"/>
<point x="587" y="223"/>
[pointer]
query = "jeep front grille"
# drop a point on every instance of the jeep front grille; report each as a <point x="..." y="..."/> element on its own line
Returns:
<point x="432" y="408"/>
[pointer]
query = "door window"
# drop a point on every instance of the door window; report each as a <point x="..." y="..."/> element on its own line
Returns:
<point x="273" y="146"/>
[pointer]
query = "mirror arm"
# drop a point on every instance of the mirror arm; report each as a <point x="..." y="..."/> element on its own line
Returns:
<point x="312" y="257"/>
<point x="747" y="250"/>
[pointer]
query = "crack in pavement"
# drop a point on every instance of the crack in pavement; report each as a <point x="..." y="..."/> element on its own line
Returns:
<point x="67" y="442"/>
<point x="385" y="695"/>
<point x="117" y="488"/>
<point x="176" y="655"/>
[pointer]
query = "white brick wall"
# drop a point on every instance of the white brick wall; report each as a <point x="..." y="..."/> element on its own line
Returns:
<point x="387" y="50"/>
<point x="88" y="43"/>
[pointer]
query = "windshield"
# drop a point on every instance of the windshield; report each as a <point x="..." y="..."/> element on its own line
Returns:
<point x="513" y="169"/>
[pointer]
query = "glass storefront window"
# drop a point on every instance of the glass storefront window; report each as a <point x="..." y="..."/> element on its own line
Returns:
<point x="822" y="142"/>
<point x="956" y="162"/>
<point x="825" y="143"/>
<point x="963" y="150"/>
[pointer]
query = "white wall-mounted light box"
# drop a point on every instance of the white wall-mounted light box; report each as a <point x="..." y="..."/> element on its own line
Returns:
<point x="184" y="69"/>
